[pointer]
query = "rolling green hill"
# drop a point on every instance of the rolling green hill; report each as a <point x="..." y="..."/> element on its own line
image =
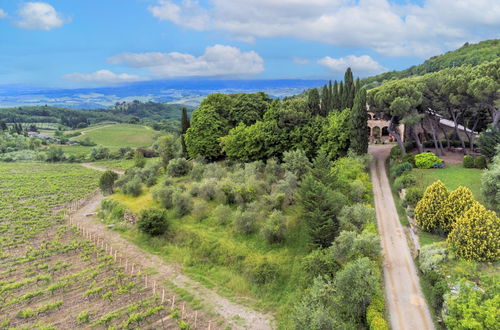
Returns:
<point x="119" y="135"/>
<point x="473" y="54"/>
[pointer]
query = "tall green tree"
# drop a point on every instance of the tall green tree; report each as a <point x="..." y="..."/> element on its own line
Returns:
<point x="166" y="149"/>
<point x="321" y="206"/>
<point x="325" y="100"/>
<point x="342" y="102"/>
<point x="185" y="124"/>
<point x="336" y="97"/>
<point x="359" y="124"/>
<point x="313" y="101"/>
<point x="348" y="88"/>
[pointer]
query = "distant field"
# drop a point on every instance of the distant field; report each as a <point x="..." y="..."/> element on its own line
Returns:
<point x="453" y="176"/>
<point x="119" y="135"/>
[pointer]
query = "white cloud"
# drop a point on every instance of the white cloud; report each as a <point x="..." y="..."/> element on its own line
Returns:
<point x="218" y="60"/>
<point x="361" y="65"/>
<point x="387" y="28"/>
<point x="102" y="77"/>
<point x="39" y="16"/>
<point x="189" y="15"/>
<point x="300" y="60"/>
<point x="3" y="14"/>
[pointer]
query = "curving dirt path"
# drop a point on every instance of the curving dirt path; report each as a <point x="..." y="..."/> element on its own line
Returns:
<point x="407" y="306"/>
<point x="236" y="315"/>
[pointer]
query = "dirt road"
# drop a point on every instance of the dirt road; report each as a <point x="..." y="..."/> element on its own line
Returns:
<point x="238" y="316"/>
<point x="407" y="306"/>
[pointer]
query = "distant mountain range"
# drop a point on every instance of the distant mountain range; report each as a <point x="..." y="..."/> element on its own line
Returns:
<point x="187" y="92"/>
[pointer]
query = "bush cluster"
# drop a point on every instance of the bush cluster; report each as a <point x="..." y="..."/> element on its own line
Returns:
<point x="474" y="162"/>
<point x="427" y="160"/>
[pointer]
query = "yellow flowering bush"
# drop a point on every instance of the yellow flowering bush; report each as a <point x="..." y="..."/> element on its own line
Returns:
<point x="429" y="211"/>
<point x="458" y="202"/>
<point x="476" y="234"/>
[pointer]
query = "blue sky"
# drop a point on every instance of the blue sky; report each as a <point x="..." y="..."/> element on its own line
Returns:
<point x="71" y="43"/>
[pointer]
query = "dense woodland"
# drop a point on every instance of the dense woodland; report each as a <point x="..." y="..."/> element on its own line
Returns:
<point x="472" y="54"/>
<point x="158" y="115"/>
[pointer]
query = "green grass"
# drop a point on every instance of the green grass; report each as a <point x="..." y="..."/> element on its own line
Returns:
<point x="119" y="135"/>
<point x="453" y="176"/>
<point x="75" y="150"/>
<point x="219" y="258"/>
<point x="121" y="164"/>
<point x="428" y="238"/>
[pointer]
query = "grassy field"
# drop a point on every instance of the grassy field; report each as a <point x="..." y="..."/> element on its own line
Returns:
<point x="75" y="150"/>
<point x="50" y="276"/>
<point x="120" y="164"/>
<point x="453" y="176"/>
<point x="119" y="135"/>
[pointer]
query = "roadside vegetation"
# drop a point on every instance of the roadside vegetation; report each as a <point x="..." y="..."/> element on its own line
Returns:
<point x="458" y="259"/>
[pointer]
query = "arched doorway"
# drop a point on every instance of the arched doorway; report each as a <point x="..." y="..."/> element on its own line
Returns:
<point x="376" y="132"/>
<point x="385" y="131"/>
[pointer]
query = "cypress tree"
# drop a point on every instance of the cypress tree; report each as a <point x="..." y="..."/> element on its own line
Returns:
<point x="313" y="101"/>
<point x="335" y="96"/>
<point x="342" y="102"/>
<point x="359" y="124"/>
<point x="184" y="127"/>
<point x="324" y="100"/>
<point x="348" y="88"/>
<point x="330" y="97"/>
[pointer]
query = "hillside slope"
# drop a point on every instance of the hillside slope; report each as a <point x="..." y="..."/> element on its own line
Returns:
<point x="473" y="54"/>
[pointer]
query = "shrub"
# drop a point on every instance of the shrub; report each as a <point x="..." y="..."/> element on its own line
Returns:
<point x="245" y="222"/>
<point x="404" y="181"/>
<point x="320" y="262"/>
<point x="409" y="159"/>
<point x="208" y="189"/>
<point x="468" y="161"/>
<point x="395" y="152"/>
<point x="223" y="214"/>
<point x="472" y="308"/>
<point x="107" y="181"/>
<point x="139" y="160"/>
<point x="398" y="169"/>
<point x="261" y="271"/>
<point x="296" y="162"/>
<point x="375" y="315"/>
<point x="197" y="171"/>
<point x="153" y="222"/>
<point x="459" y="201"/>
<point x="133" y="187"/>
<point x="99" y="152"/>
<point x="164" y="196"/>
<point x="111" y="211"/>
<point x="315" y="308"/>
<point x="353" y="218"/>
<point x="431" y="256"/>
<point x="354" y="288"/>
<point x="83" y="317"/>
<point x="490" y="188"/>
<point x="480" y="162"/>
<point x="349" y="246"/>
<point x="475" y="234"/>
<point x="427" y="160"/>
<point x="200" y="210"/>
<point x="183" y="204"/>
<point x="178" y="167"/>
<point x="274" y="228"/>
<point x="413" y="195"/>
<point x="357" y="191"/>
<point x="429" y="211"/>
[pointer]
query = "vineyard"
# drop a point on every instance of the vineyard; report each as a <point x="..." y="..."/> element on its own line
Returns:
<point x="52" y="276"/>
